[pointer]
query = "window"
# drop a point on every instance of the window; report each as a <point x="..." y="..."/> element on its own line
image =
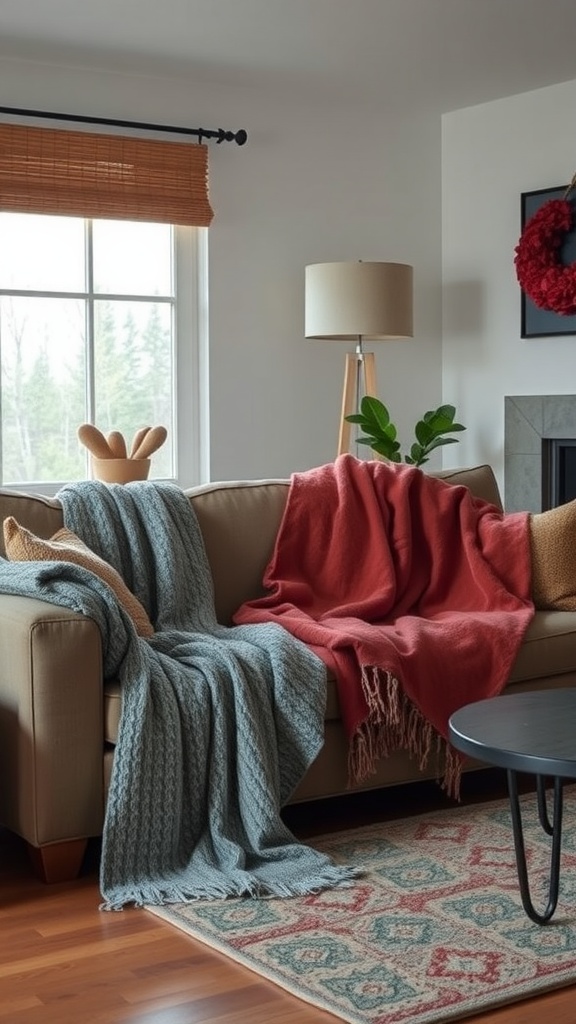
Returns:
<point x="100" y="321"/>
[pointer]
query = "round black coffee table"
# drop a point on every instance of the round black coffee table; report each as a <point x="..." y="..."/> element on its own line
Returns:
<point x="533" y="732"/>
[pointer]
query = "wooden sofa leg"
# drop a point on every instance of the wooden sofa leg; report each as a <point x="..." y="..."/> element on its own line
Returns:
<point x="59" y="862"/>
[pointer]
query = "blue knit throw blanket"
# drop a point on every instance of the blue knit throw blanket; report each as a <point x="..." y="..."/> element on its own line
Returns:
<point x="218" y="724"/>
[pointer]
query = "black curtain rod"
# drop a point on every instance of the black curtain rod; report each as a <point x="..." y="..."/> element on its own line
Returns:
<point x="219" y="134"/>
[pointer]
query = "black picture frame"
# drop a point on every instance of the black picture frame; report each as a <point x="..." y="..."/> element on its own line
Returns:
<point x="535" y="322"/>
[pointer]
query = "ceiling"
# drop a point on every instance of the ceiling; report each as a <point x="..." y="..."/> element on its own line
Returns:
<point x="435" y="55"/>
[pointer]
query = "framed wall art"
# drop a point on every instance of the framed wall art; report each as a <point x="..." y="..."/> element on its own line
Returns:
<point x="537" y="322"/>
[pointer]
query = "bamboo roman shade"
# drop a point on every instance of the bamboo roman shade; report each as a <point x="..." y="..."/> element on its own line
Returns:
<point x="84" y="174"/>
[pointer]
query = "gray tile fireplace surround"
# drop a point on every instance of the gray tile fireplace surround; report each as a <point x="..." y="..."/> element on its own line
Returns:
<point x="528" y="419"/>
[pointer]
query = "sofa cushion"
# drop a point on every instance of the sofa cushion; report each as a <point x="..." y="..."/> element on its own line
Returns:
<point x="547" y="655"/>
<point x="43" y="516"/>
<point x="548" y="649"/>
<point x="239" y="522"/>
<point x="24" y="546"/>
<point x="480" y="480"/>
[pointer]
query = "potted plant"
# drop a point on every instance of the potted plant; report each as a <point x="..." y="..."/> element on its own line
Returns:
<point x="381" y="434"/>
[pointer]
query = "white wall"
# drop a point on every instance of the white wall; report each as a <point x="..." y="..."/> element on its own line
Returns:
<point x="314" y="183"/>
<point x="490" y="154"/>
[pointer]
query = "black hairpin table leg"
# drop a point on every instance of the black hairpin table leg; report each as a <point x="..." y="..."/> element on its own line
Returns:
<point x="553" y="829"/>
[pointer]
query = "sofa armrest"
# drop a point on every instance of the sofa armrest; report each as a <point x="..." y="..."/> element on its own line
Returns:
<point x="51" y="722"/>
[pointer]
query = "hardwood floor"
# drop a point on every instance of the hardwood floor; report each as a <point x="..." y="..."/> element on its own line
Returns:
<point x="63" y="961"/>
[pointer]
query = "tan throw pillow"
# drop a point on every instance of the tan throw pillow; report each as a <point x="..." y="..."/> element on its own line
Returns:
<point x="553" y="546"/>
<point x="24" y="546"/>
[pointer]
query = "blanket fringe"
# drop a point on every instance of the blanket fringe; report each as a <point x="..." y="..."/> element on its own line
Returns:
<point x="332" y="876"/>
<point x="395" y="723"/>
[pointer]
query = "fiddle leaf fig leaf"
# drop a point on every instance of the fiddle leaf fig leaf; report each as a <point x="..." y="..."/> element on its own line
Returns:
<point x="438" y="441"/>
<point x="447" y="410"/>
<point x="375" y="411"/>
<point x="424" y="432"/>
<point x="390" y="453"/>
<point x="416" y="455"/>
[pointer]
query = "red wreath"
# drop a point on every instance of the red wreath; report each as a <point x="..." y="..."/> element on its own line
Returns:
<point x="550" y="283"/>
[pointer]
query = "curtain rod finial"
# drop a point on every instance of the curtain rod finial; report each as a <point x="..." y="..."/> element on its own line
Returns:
<point x="223" y="136"/>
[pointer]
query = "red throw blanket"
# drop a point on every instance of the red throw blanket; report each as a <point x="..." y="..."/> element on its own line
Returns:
<point x="413" y="592"/>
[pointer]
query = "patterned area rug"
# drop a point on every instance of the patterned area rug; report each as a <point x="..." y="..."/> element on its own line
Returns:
<point x="434" y="931"/>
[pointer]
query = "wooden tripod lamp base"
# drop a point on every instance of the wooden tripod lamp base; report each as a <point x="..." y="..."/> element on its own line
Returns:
<point x="359" y="380"/>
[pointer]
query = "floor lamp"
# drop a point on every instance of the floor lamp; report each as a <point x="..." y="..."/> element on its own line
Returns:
<point x="358" y="302"/>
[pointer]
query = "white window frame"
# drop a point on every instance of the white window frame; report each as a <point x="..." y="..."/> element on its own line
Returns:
<point x="191" y="369"/>
<point x="190" y="364"/>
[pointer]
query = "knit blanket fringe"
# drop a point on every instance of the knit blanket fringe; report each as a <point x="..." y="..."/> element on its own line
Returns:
<point x="331" y="876"/>
<point x="395" y="723"/>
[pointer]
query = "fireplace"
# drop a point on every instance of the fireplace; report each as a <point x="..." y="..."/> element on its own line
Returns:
<point x="558" y="471"/>
<point x="531" y="424"/>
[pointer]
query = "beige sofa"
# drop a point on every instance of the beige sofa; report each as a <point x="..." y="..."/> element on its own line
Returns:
<point x="59" y="718"/>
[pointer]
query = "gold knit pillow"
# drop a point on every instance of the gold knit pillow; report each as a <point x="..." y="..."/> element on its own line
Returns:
<point x="553" y="546"/>
<point x="24" y="546"/>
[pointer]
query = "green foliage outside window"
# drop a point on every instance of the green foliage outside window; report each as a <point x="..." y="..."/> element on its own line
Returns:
<point x="44" y="401"/>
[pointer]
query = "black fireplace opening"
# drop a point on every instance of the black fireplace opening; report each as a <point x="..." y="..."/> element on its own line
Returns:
<point x="558" y="471"/>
